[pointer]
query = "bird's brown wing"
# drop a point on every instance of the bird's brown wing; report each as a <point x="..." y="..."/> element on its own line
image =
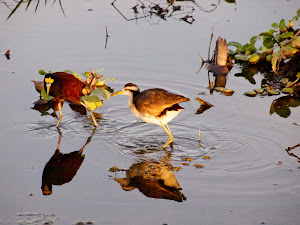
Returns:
<point x="154" y="101"/>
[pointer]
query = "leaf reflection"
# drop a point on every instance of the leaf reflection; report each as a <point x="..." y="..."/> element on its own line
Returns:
<point x="282" y="105"/>
<point x="61" y="168"/>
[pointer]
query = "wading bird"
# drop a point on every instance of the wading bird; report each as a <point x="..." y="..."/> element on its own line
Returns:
<point x="155" y="105"/>
<point x="64" y="86"/>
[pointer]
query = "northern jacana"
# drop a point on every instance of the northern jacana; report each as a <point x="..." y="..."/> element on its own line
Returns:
<point x="64" y="86"/>
<point x="155" y="105"/>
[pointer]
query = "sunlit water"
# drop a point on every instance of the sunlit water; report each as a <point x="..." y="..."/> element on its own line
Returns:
<point x="249" y="178"/>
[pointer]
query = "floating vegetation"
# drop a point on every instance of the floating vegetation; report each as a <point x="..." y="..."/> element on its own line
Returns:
<point x="284" y="86"/>
<point x="163" y="10"/>
<point x="278" y="44"/>
<point x="206" y="157"/>
<point x="204" y="106"/>
<point x="187" y="159"/>
<point x="290" y="149"/>
<point x="84" y="222"/>
<point x="198" y="165"/>
<point x="176" y="168"/>
<point x="282" y="105"/>
<point x="115" y="169"/>
<point x="7" y="54"/>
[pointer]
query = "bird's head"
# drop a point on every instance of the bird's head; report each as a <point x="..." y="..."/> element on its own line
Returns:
<point x="129" y="90"/>
<point x="48" y="82"/>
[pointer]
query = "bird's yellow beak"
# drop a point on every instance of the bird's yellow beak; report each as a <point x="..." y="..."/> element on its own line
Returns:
<point x="48" y="88"/>
<point x="116" y="93"/>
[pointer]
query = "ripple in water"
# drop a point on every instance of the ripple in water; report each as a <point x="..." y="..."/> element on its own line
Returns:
<point x="234" y="150"/>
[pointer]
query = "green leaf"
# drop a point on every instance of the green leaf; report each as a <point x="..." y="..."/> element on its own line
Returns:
<point x="287" y="90"/>
<point x="99" y="71"/>
<point x="69" y="72"/>
<point x="298" y="13"/>
<point x="86" y="74"/>
<point x="45" y="95"/>
<point x="295" y="18"/>
<point x="101" y="91"/>
<point x="251" y="48"/>
<point x="298" y="75"/>
<point x="242" y="57"/>
<point x="235" y="44"/>
<point x="272" y="92"/>
<point x="42" y="72"/>
<point x="272" y="108"/>
<point x="259" y="90"/>
<point x="254" y="58"/>
<point x="231" y="52"/>
<point x="275" y="25"/>
<point x="93" y="102"/>
<point x="269" y="42"/>
<point x="286" y="35"/>
<point x="284" y="80"/>
<point x="282" y="24"/>
<point x="265" y="34"/>
<point x="253" y="39"/>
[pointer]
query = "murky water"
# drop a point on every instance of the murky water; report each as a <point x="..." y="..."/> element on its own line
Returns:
<point x="249" y="179"/>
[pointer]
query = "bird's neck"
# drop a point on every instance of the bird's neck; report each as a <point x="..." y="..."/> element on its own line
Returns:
<point x="131" y="101"/>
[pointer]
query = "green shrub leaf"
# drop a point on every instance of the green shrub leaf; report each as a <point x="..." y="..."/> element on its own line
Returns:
<point x="93" y="102"/>
<point x="42" y="72"/>
<point x="101" y="91"/>
<point x="45" y="95"/>
<point x="269" y="42"/>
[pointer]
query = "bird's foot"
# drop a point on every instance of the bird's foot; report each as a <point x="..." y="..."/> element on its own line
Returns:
<point x="169" y="142"/>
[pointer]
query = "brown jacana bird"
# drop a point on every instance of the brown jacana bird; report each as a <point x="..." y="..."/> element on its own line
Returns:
<point x="155" y="105"/>
<point x="64" y="86"/>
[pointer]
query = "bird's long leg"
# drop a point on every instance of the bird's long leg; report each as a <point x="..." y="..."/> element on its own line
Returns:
<point x="167" y="130"/>
<point x="60" y="114"/>
<point x="92" y="114"/>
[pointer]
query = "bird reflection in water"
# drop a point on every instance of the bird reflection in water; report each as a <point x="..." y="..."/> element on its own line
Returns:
<point x="154" y="180"/>
<point x="61" y="168"/>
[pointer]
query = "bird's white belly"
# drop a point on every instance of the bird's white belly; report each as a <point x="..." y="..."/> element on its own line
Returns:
<point x="153" y="119"/>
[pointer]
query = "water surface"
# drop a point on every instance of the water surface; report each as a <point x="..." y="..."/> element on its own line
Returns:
<point x="241" y="183"/>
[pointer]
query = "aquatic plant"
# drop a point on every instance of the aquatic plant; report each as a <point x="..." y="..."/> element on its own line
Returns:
<point x="279" y="43"/>
<point x="36" y="6"/>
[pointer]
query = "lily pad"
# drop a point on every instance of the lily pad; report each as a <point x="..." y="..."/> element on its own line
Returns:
<point x="250" y="93"/>
<point x="273" y="92"/>
<point x="287" y="90"/>
<point x="284" y="80"/>
<point x="259" y="90"/>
